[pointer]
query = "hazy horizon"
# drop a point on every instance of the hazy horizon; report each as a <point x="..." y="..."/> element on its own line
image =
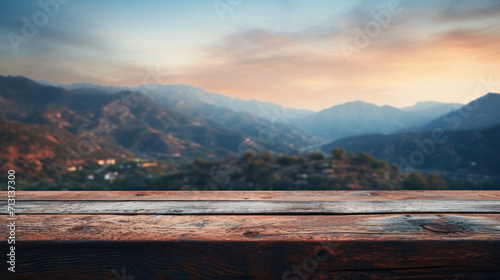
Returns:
<point x="300" y="54"/>
<point x="348" y="101"/>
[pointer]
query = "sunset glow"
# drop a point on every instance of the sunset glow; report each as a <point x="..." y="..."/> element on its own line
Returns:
<point x="302" y="54"/>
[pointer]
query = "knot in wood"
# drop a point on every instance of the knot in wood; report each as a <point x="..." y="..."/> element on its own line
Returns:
<point x="251" y="234"/>
<point x="444" y="228"/>
<point x="80" y="228"/>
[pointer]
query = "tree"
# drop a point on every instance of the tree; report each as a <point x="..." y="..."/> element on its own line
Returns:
<point x="383" y="185"/>
<point x="365" y="158"/>
<point x="380" y="165"/>
<point x="351" y="157"/>
<point x="338" y="154"/>
<point x="200" y="162"/>
<point x="435" y="182"/>
<point x="285" y="160"/>
<point x="415" y="181"/>
<point x="267" y="157"/>
<point x="301" y="160"/>
<point x="246" y="156"/>
<point x="44" y="184"/>
<point x="316" y="156"/>
<point x="275" y="183"/>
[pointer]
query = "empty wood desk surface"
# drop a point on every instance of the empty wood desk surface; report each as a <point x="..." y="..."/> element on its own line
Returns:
<point x="256" y="235"/>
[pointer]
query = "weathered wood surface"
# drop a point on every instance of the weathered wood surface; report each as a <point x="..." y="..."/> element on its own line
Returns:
<point x="259" y="195"/>
<point x="256" y="228"/>
<point x="257" y="235"/>
<point x="253" y="207"/>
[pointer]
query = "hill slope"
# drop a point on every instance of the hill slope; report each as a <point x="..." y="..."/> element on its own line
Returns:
<point x="480" y="113"/>
<point x="357" y="118"/>
<point x="473" y="151"/>
<point x="264" y="122"/>
<point x="36" y="151"/>
<point x="128" y="119"/>
<point x="191" y="95"/>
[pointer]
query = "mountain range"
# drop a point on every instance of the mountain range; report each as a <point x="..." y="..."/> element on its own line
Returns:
<point x="468" y="151"/>
<point x="358" y="117"/>
<point x="42" y="150"/>
<point x="256" y="119"/>
<point x="178" y="95"/>
<point x="137" y="123"/>
<point x="465" y="139"/>
<point x="480" y="113"/>
<point x="344" y="120"/>
<point x="183" y="122"/>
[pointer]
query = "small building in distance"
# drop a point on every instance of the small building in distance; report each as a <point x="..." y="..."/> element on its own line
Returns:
<point x="110" y="176"/>
<point x="106" y="161"/>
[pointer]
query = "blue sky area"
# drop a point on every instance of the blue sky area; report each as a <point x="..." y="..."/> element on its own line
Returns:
<point x="302" y="54"/>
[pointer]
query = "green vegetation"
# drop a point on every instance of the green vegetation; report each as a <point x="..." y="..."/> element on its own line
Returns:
<point x="249" y="171"/>
<point x="54" y="141"/>
<point x="338" y="154"/>
<point x="296" y="172"/>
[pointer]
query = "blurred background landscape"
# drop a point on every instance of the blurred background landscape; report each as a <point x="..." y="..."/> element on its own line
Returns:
<point x="180" y="137"/>
<point x="247" y="95"/>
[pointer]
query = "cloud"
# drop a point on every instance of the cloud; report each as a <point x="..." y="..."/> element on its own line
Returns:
<point x="68" y="48"/>
<point x="432" y="43"/>
<point x="460" y="10"/>
<point x="424" y="44"/>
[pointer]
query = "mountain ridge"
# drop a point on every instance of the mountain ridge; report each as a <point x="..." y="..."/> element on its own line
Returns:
<point x="479" y="113"/>
<point x="465" y="139"/>
<point x="333" y="123"/>
<point x="140" y="125"/>
<point x="359" y="117"/>
<point x="260" y="108"/>
<point x="473" y="151"/>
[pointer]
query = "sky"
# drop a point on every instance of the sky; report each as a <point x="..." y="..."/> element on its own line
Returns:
<point x="309" y="54"/>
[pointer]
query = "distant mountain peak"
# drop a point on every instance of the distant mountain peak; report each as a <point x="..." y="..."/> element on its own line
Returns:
<point x="479" y="113"/>
<point x="492" y="94"/>
<point x="431" y="105"/>
<point x="358" y="102"/>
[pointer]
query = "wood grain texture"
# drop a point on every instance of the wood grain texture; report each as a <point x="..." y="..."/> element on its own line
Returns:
<point x="253" y="207"/>
<point x="253" y="228"/>
<point x="256" y="235"/>
<point x="259" y="195"/>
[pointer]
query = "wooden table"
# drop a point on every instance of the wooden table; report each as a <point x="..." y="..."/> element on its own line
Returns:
<point x="256" y="235"/>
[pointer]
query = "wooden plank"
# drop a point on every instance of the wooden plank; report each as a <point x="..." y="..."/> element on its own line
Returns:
<point x="256" y="235"/>
<point x="159" y="228"/>
<point x="252" y="207"/>
<point x="369" y="260"/>
<point x="259" y="195"/>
